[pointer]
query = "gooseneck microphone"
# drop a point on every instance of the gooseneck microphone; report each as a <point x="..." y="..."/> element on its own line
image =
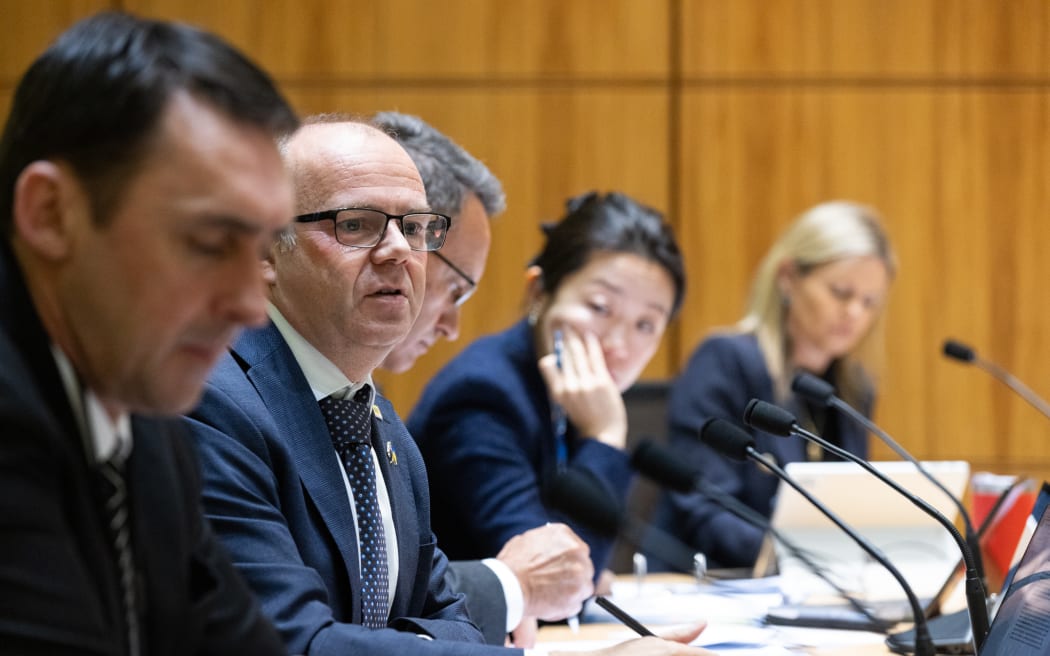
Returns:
<point x="771" y="419"/>
<point x="582" y="498"/>
<point x="666" y="468"/>
<point x="818" y="390"/>
<point x="965" y="354"/>
<point x="736" y="444"/>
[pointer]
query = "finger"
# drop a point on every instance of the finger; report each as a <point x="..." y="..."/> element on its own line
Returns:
<point x="683" y="634"/>
<point x="596" y="357"/>
<point x="524" y="635"/>
<point x="574" y="361"/>
<point x="552" y="376"/>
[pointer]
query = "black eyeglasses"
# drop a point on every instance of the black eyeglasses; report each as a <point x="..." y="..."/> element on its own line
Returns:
<point x="364" y="228"/>
<point x="459" y="299"/>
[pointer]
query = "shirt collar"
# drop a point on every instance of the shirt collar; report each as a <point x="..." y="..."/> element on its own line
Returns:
<point x="325" y="379"/>
<point x="104" y="436"/>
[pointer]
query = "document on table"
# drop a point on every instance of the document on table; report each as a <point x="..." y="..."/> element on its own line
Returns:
<point x="733" y="610"/>
<point x="722" y="602"/>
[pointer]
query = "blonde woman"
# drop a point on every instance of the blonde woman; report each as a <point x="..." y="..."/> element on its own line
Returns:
<point x="815" y="305"/>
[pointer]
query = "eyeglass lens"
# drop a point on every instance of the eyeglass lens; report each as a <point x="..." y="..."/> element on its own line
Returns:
<point x="365" y="228"/>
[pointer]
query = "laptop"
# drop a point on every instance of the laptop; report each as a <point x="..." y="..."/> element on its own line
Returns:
<point x="1022" y="622"/>
<point x="951" y="634"/>
<point x="917" y="545"/>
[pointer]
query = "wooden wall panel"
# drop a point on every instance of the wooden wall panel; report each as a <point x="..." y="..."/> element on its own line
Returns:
<point x="422" y="39"/>
<point x="545" y="146"/>
<point x="958" y="176"/>
<point x="29" y="26"/>
<point x="736" y="115"/>
<point x="5" y="101"/>
<point x="865" y="38"/>
<point x="995" y="154"/>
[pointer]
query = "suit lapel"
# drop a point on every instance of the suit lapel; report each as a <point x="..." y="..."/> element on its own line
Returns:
<point x="20" y="322"/>
<point x="159" y="526"/>
<point x="19" y="319"/>
<point x="283" y="388"/>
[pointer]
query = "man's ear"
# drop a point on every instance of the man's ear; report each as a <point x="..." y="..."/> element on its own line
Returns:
<point x="269" y="273"/>
<point x="47" y="198"/>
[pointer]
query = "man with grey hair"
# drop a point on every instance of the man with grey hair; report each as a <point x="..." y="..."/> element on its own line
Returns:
<point x="459" y="185"/>
<point x="310" y="477"/>
<point x="546" y="572"/>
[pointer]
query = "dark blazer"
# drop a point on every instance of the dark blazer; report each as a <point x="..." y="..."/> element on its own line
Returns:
<point x="59" y="589"/>
<point x="274" y="491"/>
<point x="484" y="426"/>
<point x="722" y="376"/>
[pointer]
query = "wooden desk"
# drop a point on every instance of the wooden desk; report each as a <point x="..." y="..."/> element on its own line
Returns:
<point x="615" y="632"/>
<point x="605" y="632"/>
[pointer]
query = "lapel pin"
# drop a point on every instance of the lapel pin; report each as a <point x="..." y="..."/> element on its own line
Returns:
<point x="391" y="455"/>
<point x="376" y="412"/>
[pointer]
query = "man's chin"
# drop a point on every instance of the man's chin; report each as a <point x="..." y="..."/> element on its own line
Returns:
<point x="171" y="400"/>
<point x="399" y="362"/>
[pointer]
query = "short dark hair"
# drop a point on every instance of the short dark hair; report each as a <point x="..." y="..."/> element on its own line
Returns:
<point x="611" y="222"/>
<point x="95" y="97"/>
<point x="449" y="172"/>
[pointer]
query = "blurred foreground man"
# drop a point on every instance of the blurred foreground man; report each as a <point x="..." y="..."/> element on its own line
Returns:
<point x="139" y="185"/>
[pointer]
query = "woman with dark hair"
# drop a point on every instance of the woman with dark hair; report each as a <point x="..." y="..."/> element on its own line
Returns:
<point x="546" y="393"/>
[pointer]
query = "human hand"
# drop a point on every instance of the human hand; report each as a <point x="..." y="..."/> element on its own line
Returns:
<point x="524" y="635"/>
<point x="673" y="642"/>
<point x="583" y="387"/>
<point x="553" y="566"/>
<point x="604" y="585"/>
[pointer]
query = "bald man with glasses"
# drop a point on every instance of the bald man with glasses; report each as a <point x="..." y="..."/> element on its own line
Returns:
<point x="311" y="480"/>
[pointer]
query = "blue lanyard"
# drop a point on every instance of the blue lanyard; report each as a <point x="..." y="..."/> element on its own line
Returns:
<point x="561" y="443"/>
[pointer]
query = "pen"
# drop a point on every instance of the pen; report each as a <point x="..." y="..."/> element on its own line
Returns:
<point x="619" y="614"/>
<point x="558" y="413"/>
<point x="574" y="623"/>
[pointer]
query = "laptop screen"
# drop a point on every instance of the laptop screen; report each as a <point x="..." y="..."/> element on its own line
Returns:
<point x="919" y="547"/>
<point x="1022" y="625"/>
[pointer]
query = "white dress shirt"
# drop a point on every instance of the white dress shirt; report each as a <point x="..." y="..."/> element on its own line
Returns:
<point x="325" y="379"/>
<point x="104" y="437"/>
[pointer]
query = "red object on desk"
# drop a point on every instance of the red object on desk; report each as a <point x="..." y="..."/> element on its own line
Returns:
<point x="1000" y="539"/>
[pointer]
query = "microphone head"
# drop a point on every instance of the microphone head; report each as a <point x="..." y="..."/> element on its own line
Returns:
<point x="813" y="388"/>
<point x="769" y="418"/>
<point x="582" y="498"/>
<point x="727" y="439"/>
<point x="663" y="466"/>
<point x="959" y="351"/>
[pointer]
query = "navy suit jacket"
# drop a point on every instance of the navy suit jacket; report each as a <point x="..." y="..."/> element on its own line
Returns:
<point x="59" y="589"/>
<point x="484" y="426"/>
<point x="274" y="491"/>
<point x="722" y="376"/>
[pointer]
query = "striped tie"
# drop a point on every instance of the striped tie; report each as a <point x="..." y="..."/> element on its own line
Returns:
<point x="351" y="428"/>
<point x="115" y="498"/>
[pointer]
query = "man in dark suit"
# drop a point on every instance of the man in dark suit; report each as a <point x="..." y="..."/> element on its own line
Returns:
<point x="294" y="508"/>
<point x="139" y="181"/>
<point x="545" y="572"/>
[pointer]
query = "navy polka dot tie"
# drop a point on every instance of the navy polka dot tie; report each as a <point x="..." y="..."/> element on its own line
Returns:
<point x="351" y="428"/>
